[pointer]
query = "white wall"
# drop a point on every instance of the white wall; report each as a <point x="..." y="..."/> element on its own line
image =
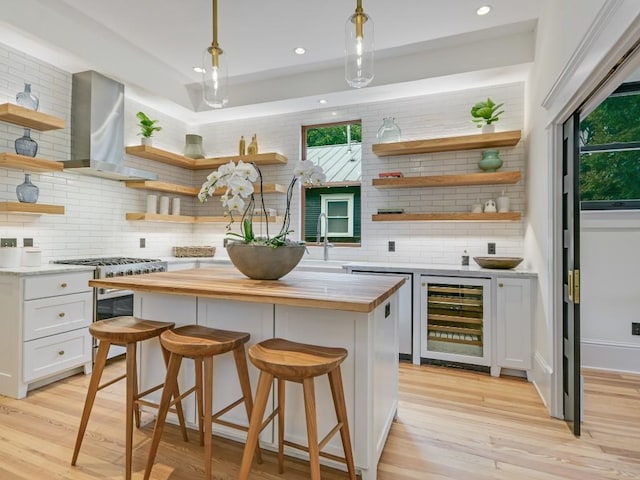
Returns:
<point x="94" y="223"/>
<point x="574" y="38"/>
<point x="610" y="290"/>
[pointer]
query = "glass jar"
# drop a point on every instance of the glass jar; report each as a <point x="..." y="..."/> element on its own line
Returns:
<point x="25" y="145"/>
<point x="389" y="131"/>
<point x="27" y="192"/>
<point x="193" y="146"/>
<point x="26" y="99"/>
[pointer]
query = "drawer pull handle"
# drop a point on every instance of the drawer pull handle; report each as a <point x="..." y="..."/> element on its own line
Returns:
<point x="61" y="314"/>
<point x="63" y="285"/>
<point x="61" y="352"/>
<point x="501" y="284"/>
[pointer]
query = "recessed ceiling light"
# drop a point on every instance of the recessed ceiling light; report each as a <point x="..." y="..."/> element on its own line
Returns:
<point x="322" y="101"/>
<point x="299" y="51"/>
<point x="483" y="10"/>
<point x="198" y="69"/>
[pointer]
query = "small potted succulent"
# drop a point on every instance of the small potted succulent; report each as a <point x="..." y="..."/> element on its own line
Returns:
<point x="484" y="114"/>
<point x="147" y="127"/>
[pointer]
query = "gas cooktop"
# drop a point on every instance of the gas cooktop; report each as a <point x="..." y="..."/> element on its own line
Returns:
<point x="102" y="261"/>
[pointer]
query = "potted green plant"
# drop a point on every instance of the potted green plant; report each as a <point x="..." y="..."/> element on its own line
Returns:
<point x="147" y="127"/>
<point x="484" y="114"/>
<point x="266" y="257"/>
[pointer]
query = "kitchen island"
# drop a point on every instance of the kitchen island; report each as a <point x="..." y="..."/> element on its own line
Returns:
<point x="356" y="313"/>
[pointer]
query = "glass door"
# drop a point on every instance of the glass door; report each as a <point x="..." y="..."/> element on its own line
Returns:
<point x="456" y="324"/>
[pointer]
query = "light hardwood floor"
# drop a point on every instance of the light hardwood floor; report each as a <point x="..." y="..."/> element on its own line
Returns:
<point x="452" y="425"/>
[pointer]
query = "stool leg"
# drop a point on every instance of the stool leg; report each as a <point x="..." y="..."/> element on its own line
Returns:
<point x="240" y="358"/>
<point x="136" y="406"/>
<point x="255" y="424"/>
<point x="337" y="392"/>
<point x="312" y="427"/>
<point x="94" y="383"/>
<point x="131" y="395"/>
<point x="198" y="368"/>
<point x="170" y="385"/>
<point x="281" y="389"/>
<point x="208" y="411"/>
<point x="176" y="394"/>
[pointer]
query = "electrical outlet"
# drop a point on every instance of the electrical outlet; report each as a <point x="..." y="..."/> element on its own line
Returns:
<point x="491" y="248"/>
<point x="27" y="242"/>
<point x="8" y="242"/>
<point x="392" y="246"/>
<point x="635" y="328"/>
<point x="143" y="242"/>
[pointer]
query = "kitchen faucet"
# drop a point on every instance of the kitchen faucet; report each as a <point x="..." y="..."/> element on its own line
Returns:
<point x="326" y="244"/>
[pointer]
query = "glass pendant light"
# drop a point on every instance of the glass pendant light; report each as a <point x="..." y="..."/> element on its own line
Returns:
<point x="359" y="48"/>
<point x="214" y="75"/>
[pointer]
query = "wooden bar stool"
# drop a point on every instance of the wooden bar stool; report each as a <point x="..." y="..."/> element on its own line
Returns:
<point x="201" y="344"/>
<point x="123" y="331"/>
<point x="301" y="363"/>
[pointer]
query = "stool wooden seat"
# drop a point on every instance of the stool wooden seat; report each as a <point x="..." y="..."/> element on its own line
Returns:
<point x="201" y="344"/>
<point x="123" y="331"/>
<point x="301" y="363"/>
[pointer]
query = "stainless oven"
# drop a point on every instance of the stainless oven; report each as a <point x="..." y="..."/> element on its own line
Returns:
<point x="109" y="303"/>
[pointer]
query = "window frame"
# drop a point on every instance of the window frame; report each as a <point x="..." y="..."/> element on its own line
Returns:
<point x="325" y="199"/>
<point x="629" y="88"/>
<point x="303" y="188"/>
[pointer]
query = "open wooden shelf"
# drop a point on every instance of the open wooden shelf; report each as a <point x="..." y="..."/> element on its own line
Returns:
<point x="193" y="191"/>
<point x="169" y="158"/>
<point x="156" y="217"/>
<point x="29" y="118"/>
<point x="13" y="160"/>
<point x="447" y="216"/>
<point x="31" y="208"/>
<point x="467" y="179"/>
<point x="448" y="144"/>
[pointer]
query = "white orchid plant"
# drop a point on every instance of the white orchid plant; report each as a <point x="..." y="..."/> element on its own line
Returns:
<point x="239" y="197"/>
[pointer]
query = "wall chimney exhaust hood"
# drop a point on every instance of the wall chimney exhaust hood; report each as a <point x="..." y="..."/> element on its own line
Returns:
<point x="97" y="129"/>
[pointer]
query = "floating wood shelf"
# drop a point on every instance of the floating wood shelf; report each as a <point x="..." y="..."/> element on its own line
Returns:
<point x="162" y="187"/>
<point x="29" y="118"/>
<point x="169" y="158"/>
<point x="447" y="216"/>
<point x="448" y="144"/>
<point x="155" y="217"/>
<point x="192" y="191"/>
<point x="13" y="160"/>
<point x="31" y="208"/>
<point x="468" y="179"/>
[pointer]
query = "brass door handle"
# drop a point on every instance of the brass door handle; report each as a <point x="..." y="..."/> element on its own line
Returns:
<point x="63" y="285"/>
<point x="61" y="314"/>
<point x="571" y="285"/>
<point x="61" y="352"/>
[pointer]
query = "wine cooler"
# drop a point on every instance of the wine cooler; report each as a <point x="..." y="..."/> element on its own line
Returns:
<point x="455" y="322"/>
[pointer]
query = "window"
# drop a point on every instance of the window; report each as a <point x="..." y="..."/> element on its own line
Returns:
<point x="610" y="152"/>
<point x="338" y="208"/>
<point x="337" y="148"/>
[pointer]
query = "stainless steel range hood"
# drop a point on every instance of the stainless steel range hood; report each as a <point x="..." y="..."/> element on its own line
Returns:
<point x="97" y="129"/>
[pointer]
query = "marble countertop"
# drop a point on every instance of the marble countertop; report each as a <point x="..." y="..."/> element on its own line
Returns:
<point x="44" y="269"/>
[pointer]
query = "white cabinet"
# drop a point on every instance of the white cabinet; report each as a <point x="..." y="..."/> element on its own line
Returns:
<point x="513" y="324"/>
<point x="44" y="329"/>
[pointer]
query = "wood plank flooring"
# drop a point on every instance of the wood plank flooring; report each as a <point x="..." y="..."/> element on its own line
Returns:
<point x="452" y="425"/>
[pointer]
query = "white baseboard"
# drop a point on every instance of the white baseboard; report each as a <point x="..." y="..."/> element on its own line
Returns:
<point x="541" y="379"/>
<point x="613" y="356"/>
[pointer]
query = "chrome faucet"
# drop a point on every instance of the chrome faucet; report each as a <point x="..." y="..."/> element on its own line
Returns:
<point x="326" y="244"/>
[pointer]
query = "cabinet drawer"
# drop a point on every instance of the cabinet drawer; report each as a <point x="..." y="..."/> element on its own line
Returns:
<point x="49" y="316"/>
<point x="54" y="354"/>
<point x="42" y="286"/>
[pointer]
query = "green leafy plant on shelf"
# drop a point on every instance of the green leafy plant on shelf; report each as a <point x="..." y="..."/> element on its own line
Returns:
<point x="147" y="126"/>
<point x="485" y="113"/>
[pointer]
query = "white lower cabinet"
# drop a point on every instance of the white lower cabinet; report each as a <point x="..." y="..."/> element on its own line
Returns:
<point x="514" y="312"/>
<point x="44" y="329"/>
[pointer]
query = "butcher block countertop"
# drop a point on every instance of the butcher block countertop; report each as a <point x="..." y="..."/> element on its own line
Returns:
<point x="332" y="291"/>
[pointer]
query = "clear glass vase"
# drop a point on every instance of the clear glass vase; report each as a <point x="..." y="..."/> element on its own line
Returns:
<point x="25" y="145"/>
<point x="27" y="192"/>
<point x="27" y="99"/>
<point x="389" y="131"/>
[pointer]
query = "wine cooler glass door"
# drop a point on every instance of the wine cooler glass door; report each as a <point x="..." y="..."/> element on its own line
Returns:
<point x="456" y="322"/>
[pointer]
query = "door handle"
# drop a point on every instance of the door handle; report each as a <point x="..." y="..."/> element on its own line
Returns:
<point x="571" y="285"/>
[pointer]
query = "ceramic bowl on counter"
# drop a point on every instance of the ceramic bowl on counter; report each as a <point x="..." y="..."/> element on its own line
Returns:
<point x="498" y="262"/>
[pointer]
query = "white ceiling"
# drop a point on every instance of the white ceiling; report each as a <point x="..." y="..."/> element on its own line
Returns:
<point x="152" y="45"/>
